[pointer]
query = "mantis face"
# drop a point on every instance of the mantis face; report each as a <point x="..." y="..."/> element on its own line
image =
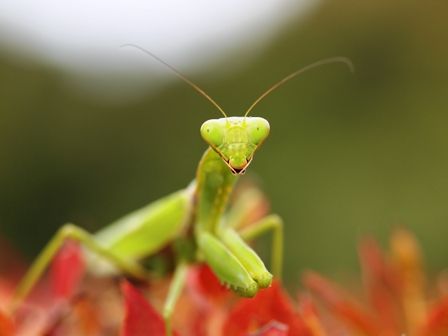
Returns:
<point x="235" y="139"/>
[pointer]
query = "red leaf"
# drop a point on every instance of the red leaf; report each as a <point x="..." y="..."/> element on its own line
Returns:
<point x="141" y="319"/>
<point x="382" y="284"/>
<point x="67" y="270"/>
<point x="437" y="320"/>
<point x="271" y="304"/>
<point x="310" y="315"/>
<point x="32" y="320"/>
<point x="340" y="304"/>
<point x="202" y="281"/>
<point x="6" y="325"/>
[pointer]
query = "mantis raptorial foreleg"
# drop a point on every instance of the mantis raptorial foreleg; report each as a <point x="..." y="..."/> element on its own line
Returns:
<point x="226" y="265"/>
<point x="247" y="256"/>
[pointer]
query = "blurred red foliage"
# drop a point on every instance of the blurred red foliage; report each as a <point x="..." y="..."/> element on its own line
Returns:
<point x="394" y="299"/>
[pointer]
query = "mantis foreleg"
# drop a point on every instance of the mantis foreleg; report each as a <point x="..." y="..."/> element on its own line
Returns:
<point x="226" y="265"/>
<point x="248" y="258"/>
<point x="235" y="263"/>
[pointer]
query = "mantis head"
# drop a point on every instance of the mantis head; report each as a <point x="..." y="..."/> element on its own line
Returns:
<point x="235" y="139"/>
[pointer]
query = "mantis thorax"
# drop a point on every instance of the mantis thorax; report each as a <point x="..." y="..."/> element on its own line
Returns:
<point x="235" y="139"/>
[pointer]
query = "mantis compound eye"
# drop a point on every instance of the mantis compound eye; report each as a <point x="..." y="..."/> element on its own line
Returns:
<point x="213" y="132"/>
<point x="257" y="130"/>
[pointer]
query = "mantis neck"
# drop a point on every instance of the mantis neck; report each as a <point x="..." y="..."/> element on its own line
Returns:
<point x="214" y="185"/>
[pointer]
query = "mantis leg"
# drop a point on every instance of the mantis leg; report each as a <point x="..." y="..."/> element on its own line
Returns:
<point x="269" y="223"/>
<point x="226" y="266"/>
<point x="70" y="231"/>
<point x="246" y="256"/>
<point x="174" y="292"/>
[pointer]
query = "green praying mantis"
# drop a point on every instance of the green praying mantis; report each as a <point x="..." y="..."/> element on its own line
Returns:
<point x="197" y="214"/>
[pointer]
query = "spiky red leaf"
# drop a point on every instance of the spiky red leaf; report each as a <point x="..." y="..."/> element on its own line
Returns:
<point x="271" y="304"/>
<point x="310" y="316"/>
<point x="67" y="270"/>
<point x="339" y="303"/>
<point x="141" y="319"/>
<point x="382" y="284"/>
<point x="204" y="283"/>
<point x="437" y="320"/>
<point x="6" y="325"/>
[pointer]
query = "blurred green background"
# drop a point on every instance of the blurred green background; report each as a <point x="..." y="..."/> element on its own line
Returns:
<point x="349" y="155"/>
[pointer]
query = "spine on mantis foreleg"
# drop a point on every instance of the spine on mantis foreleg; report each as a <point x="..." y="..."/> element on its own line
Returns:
<point x="232" y="260"/>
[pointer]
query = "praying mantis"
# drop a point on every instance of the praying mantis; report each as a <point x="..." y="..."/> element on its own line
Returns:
<point x="197" y="214"/>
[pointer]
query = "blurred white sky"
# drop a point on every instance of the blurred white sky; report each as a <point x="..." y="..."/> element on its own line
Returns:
<point x="84" y="36"/>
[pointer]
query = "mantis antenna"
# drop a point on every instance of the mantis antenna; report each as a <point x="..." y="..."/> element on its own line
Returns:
<point x="343" y="60"/>
<point x="179" y="74"/>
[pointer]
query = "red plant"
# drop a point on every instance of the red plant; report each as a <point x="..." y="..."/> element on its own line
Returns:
<point x="394" y="301"/>
<point x="397" y="301"/>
